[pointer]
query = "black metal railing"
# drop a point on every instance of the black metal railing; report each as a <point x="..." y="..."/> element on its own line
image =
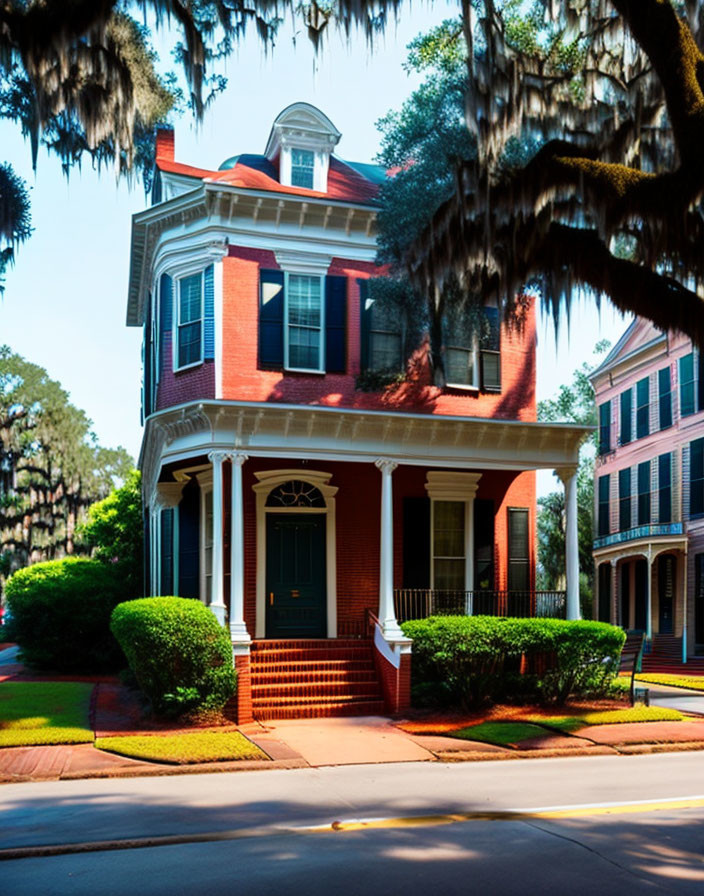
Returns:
<point x="419" y="603"/>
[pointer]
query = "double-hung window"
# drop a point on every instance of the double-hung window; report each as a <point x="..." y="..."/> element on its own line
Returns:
<point x="462" y="366"/>
<point x="449" y="545"/>
<point x="189" y="325"/>
<point x="303" y="345"/>
<point x="302" y="168"/>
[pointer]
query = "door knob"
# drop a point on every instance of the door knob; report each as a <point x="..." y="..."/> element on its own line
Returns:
<point x="271" y="598"/>
<point x="295" y="592"/>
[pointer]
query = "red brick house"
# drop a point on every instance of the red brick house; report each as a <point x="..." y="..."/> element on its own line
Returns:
<point x="307" y="512"/>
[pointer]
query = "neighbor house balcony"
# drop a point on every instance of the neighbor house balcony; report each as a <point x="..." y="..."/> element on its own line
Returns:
<point x="657" y="530"/>
<point x="419" y="603"/>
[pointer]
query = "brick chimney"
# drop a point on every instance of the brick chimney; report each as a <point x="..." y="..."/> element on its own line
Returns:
<point x="165" y="144"/>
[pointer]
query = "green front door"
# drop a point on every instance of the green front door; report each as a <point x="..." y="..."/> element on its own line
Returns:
<point x="295" y="575"/>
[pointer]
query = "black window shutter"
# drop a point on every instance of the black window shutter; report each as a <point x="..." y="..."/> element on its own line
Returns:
<point x="490" y="353"/>
<point x="271" y="319"/>
<point x="483" y="545"/>
<point x="365" y="323"/>
<point x="416" y="542"/>
<point x="189" y="542"/>
<point x="335" y="324"/>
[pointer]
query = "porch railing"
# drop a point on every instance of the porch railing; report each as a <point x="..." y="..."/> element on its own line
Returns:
<point x="419" y="603"/>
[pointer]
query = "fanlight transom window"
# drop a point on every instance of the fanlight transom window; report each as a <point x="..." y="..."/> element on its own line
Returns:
<point x="295" y="493"/>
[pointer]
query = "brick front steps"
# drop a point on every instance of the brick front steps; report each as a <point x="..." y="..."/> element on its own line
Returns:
<point x="295" y="679"/>
<point x="665" y="657"/>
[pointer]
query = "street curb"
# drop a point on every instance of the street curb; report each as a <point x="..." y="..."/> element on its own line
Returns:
<point x="566" y="752"/>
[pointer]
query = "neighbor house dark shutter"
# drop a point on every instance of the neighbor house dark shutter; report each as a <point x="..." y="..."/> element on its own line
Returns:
<point x="416" y="542"/>
<point x="335" y="321"/>
<point x="490" y="357"/>
<point x="209" y="313"/>
<point x="167" y="551"/>
<point x="518" y="549"/>
<point x="271" y="319"/>
<point x="166" y="312"/>
<point x="365" y="324"/>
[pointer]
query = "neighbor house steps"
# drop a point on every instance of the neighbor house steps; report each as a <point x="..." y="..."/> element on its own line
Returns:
<point x="665" y="657"/>
<point x="314" y="678"/>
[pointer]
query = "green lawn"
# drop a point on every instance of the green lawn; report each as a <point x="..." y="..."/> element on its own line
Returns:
<point x="693" y="682"/>
<point x="44" y="712"/>
<point x="508" y="734"/>
<point x="503" y="734"/>
<point x="197" y="746"/>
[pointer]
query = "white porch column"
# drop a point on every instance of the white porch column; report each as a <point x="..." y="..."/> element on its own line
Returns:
<point x="649" y="607"/>
<point x="238" y="630"/>
<point x="387" y="613"/>
<point x="217" y="593"/>
<point x="154" y="550"/>
<point x="615" y="602"/>
<point x="568" y="475"/>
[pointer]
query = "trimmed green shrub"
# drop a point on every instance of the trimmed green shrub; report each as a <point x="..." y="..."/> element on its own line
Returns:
<point x="61" y="615"/>
<point x="179" y="654"/>
<point x="477" y="659"/>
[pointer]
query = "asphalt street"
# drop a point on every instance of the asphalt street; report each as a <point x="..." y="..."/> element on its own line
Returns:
<point x="578" y="825"/>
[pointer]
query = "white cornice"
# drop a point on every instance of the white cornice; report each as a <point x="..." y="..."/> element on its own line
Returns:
<point x="267" y="429"/>
<point x="248" y="218"/>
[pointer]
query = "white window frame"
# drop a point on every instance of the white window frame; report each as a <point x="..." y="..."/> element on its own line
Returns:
<point x="321" y="351"/>
<point x="295" y="149"/>
<point x="451" y="485"/>
<point x="176" y="298"/>
<point x="472" y="350"/>
<point x="468" y="541"/>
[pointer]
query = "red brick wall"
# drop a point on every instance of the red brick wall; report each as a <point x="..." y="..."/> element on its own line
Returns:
<point x="395" y="682"/>
<point x="244" y="382"/>
<point x="358" y="503"/>
<point x="186" y="385"/>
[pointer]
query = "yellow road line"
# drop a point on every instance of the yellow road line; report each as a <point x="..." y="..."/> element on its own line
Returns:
<point x="353" y="824"/>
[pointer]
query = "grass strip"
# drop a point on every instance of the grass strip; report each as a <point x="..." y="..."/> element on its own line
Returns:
<point x="35" y="713"/>
<point x="693" y="683"/>
<point x="568" y="724"/>
<point x="189" y="747"/>
<point x="502" y="734"/>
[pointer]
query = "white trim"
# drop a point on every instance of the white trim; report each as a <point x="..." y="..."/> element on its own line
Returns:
<point x="267" y="481"/>
<point x="218" y="315"/>
<point x="321" y="328"/>
<point x="176" y="318"/>
<point x="205" y="484"/>
<point x="459" y="488"/>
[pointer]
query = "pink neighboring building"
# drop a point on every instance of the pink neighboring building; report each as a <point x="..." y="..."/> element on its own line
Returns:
<point x="649" y="490"/>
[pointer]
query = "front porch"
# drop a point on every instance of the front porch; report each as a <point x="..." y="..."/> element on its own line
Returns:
<point x="319" y="517"/>
<point x="641" y="585"/>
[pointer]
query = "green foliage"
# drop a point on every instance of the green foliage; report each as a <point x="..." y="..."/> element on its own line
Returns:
<point x="114" y="530"/>
<point x="61" y="615"/>
<point x="378" y="380"/>
<point x="574" y="403"/>
<point x="470" y="660"/>
<point x="51" y="465"/>
<point x="179" y="654"/>
<point x="201" y="746"/>
<point x="15" y="219"/>
<point x="44" y="712"/>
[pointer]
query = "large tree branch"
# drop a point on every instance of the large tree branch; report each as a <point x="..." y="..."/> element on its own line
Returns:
<point x="582" y="257"/>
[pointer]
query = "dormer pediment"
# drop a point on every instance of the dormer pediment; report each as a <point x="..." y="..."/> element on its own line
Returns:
<point x="302" y="138"/>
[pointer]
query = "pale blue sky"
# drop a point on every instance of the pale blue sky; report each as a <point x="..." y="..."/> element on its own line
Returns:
<point x="64" y="304"/>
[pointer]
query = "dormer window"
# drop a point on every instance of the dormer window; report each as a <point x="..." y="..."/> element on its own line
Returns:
<point x="301" y="142"/>
<point x="302" y="167"/>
